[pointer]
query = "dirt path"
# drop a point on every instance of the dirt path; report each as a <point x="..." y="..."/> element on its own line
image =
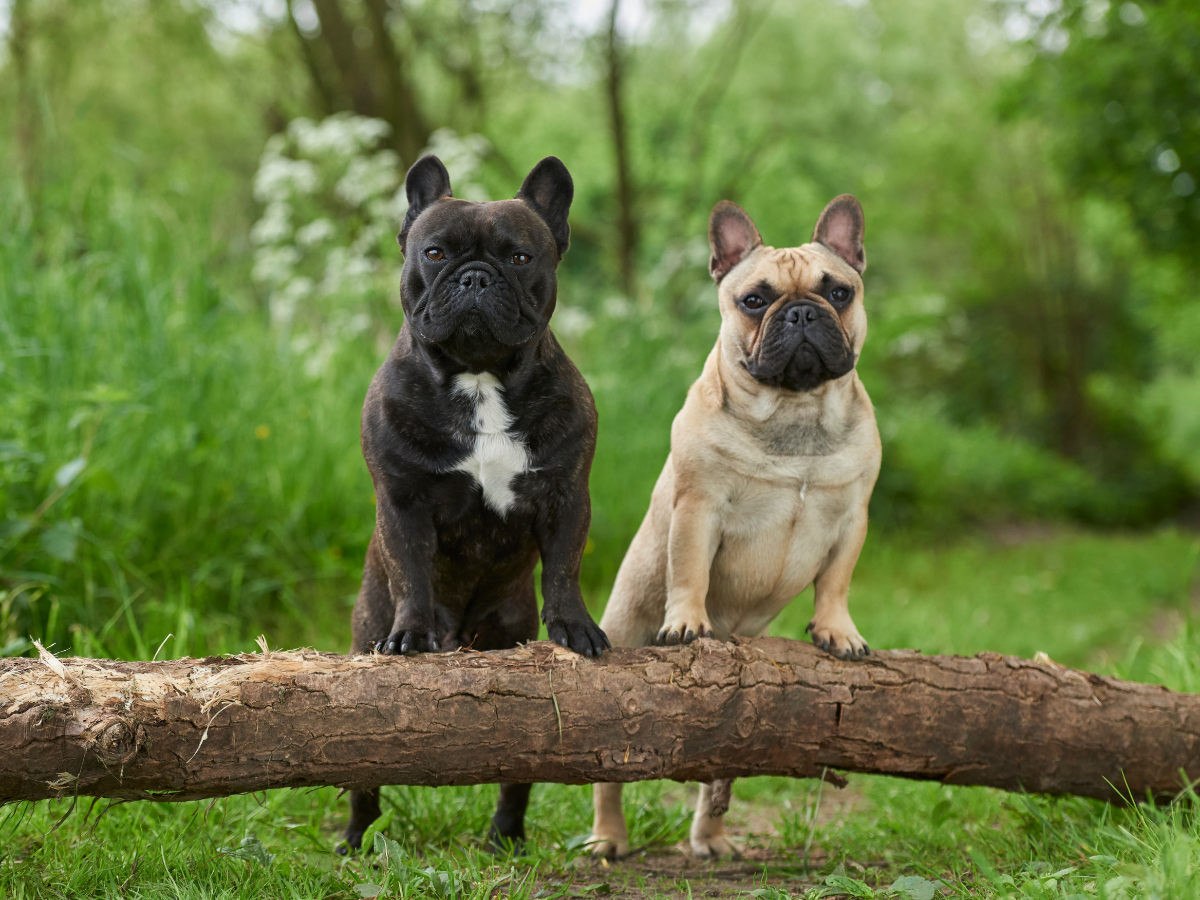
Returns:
<point x="673" y="872"/>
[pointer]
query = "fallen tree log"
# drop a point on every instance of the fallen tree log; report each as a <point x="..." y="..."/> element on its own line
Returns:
<point x="188" y="729"/>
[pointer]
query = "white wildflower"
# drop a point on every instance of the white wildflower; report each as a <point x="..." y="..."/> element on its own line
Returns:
<point x="462" y="157"/>
<point x="369" y="177"/>
<point x="374" y="233"/>
<point x="392" y="209"/>
<point x="617" y="308"/>
<point x="343" y="135"/>
<point x="279" y="178"/>
<point x="274" y="265"/>
<point x="285" y="302"/>
<point x="315" y="232"/>
<point x="346" y="273"/>
<point x="571" y="321"/>
<point x="357" y="323"/>
<point x="275" y="224"/>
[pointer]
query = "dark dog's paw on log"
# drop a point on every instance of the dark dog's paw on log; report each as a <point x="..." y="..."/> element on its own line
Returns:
<point x="580" y="635"/>
<point x="410" y="641"/>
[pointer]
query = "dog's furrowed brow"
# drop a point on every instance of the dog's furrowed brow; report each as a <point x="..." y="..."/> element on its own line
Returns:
<point x="764" y="289"/>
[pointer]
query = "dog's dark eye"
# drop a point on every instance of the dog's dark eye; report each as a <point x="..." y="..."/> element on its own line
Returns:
<point x="839" y="295"/>
<point x="519" y="259"/>
<point x="435" y="253"/>
<point x="753" y="302"/>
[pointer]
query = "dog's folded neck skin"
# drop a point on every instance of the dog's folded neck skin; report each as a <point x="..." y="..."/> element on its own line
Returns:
<point x="792" y="318"/>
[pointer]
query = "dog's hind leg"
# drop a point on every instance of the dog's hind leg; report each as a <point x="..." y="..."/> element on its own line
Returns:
<point x="708" y="838"/>
<point x="631" y="619"/>
<point x="507" y="624"/>
<point x="374" y="609"/>
<point x="508" y="824"/>
<point x="364" y="809"/>
<point x="609" y="837"/>
<point x="369" y="623"/>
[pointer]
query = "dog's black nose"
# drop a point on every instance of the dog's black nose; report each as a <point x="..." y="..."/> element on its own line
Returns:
<point x="795" y="315"/>
<point x="474" y="278"/>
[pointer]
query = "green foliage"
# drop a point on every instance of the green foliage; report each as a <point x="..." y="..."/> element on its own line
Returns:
<point x="167" y="466"/>
<point x="1126" y="95"/>
<point x="180" y="471"/>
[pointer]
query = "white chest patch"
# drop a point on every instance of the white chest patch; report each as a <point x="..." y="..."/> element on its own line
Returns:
<point x="497" y="456"/>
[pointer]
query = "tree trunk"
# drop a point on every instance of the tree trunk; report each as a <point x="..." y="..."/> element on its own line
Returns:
<point x="321" y="89"/>
<point x="361" y="69"/>
<point x="189" y="728"/>
<point x="338" y="34"/>
<point x="626" y="216"/>
<point x="410" y="134"/>
<point x="19" y="40"/>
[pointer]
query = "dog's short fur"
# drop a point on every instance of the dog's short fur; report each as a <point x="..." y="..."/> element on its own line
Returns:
<point x="479" y="434"/>
<point x="773" y="459"/>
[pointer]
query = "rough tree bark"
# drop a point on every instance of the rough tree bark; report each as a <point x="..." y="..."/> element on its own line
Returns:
<point x="189" y="729"/>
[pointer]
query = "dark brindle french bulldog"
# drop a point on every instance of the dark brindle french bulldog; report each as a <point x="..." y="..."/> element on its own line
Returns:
<point x="479" y="434"/>
<point x="773" y="459"/>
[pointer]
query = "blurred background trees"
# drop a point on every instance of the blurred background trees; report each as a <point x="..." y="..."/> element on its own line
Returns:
<point x="197" y="277"/>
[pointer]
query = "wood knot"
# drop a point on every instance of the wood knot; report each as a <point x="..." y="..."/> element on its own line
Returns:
<point x="115" y="741"/>
<point x="632" y="708"/>
<point x="631" y="704"/>
<point x="745" y="720"/>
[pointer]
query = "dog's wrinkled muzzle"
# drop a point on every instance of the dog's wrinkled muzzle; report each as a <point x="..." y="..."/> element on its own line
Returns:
<point x="477" y="301"/>
<point x="802" y="347"/>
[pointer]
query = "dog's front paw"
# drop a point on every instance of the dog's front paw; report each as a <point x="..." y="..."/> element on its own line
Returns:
<point x="839" y="637"/>
<point x="412" y="640"/>
<point x="683" y="628"/>
<point x="581" y="635"/>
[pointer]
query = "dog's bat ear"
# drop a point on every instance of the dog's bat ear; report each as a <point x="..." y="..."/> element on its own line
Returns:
<point x="840" y="228"/>
<point x="426" y="183"/>
<point x="549" y="190"/>
<point x="732" y="236"/>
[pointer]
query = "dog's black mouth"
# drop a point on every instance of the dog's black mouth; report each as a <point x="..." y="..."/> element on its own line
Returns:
<point x="802" y="347"/>
<point x="474" y="305"/>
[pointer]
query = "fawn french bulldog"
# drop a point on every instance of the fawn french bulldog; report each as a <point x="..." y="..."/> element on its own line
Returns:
<point x="773" y="459"/>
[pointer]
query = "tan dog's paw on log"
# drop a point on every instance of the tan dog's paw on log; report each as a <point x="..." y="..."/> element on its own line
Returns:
<point x="684" y="628"/>
<point x="837" y="635"/>
<point x="773" y="459"/>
